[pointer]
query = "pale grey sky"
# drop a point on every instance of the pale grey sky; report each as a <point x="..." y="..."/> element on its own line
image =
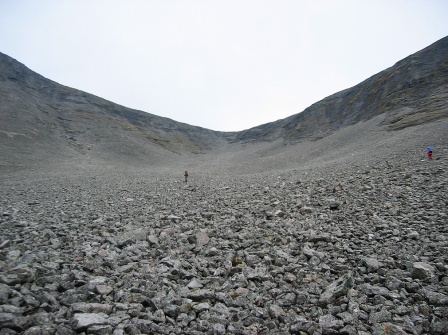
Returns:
<point x="223" y="65"/>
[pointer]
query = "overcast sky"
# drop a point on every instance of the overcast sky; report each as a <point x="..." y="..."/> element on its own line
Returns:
<point x="223" y="65"/>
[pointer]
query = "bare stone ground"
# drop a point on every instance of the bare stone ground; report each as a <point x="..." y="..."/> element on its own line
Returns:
<point x="345" y="235"/>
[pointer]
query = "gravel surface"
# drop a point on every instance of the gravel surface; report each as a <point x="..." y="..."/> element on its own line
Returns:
<point x="359" y="247"/>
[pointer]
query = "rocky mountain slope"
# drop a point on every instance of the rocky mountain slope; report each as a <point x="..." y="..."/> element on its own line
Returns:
<point x="43" y="122"/>
<point x="413" y="91"/>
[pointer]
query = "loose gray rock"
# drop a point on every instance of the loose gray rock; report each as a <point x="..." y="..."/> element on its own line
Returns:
<point x="336" y="289"/>
<point x="202" y="239"/>
<point x="372" y="264"/>
<point x="138" y="270"/>
<point x="14" y="321"/>
<point x="18" y="275"/>
<point x="421" y="270"/>
<point x="82" y="321"/>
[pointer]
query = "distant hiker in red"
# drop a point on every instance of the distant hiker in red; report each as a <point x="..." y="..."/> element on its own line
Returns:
<point x="430" y="153"/>
<point x="186" y="175"/>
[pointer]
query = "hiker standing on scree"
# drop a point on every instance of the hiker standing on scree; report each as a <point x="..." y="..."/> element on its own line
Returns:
<point x="430" y="153"/>
<point x="186" y="175"/>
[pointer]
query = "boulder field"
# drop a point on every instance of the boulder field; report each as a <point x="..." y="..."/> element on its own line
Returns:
<point x="359" y="250"/>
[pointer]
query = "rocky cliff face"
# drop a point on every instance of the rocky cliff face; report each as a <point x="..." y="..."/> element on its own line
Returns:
<point x="413" y="91"/>
<point x="41" y="119"/>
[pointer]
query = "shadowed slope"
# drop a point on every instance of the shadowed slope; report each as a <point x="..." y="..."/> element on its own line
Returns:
<point x="42" y="121"/>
